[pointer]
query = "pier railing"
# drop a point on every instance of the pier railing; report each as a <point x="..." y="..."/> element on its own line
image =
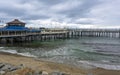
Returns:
<point x="58" y="34"/>
<point x="18" y="34"/>
<point x="54" y="32"/>
<point x="10" y="37"/>
<point x="95" y="32"/>
<point x="69" y="32"/>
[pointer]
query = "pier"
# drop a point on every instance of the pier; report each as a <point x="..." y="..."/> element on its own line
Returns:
<point x="112" y="33"/>
<point x="15" y="31"/>
<point x="53" y="34"/>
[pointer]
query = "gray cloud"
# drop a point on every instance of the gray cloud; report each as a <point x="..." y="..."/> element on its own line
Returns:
<point x="52" y="2"/>
<point x="99" y="12"/>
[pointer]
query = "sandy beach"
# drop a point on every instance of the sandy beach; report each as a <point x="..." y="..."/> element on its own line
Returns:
<point x="50" y="66"/>
<point x="39" y="65"/>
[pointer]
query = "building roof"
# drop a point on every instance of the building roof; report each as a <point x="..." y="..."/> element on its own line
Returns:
<point x="13" y="27"/>
<point x="15" y="21"/>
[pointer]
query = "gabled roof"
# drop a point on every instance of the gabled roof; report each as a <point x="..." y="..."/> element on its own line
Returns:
<point x="15" y="21"/>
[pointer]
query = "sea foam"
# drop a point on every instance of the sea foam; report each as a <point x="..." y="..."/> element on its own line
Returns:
<point x="15" y="52"/>
<point x="101" y="65"/>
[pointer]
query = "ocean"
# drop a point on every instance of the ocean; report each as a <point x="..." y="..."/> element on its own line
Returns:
<point x="87" y="52"/>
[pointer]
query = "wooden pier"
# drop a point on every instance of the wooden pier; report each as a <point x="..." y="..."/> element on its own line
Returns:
<point x="53" y="35"/>
<point x="15" y="31"/>
<point x="30" y="36"/>
<point x="112" y="33"/>
<point x="57" y="34"/>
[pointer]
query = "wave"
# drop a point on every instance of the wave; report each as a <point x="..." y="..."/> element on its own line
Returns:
<point x="101" y="65"/>
<point x="93" y="52"/>
<point x="15" y="52"/>
<point x="103" y="44"/>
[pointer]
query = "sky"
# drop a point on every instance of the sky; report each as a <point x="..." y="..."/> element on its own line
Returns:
<point x="62" y="13"/>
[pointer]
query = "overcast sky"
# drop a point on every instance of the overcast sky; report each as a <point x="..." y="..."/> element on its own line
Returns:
<point x="62" y="13"/>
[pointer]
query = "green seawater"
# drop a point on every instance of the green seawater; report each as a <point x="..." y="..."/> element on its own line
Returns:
<point x="94" y="51"/>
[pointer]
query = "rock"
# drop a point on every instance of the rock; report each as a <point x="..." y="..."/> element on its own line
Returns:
<point x="44" y="73"/>
<point x="2" y="72"/>
<point x="38" y="73"/>
<point x="29" y="73"/>
<point x="2" y="65"/>
<point x="21" y="65"/>
<point x="58" y="73"/>
<point x="13" y="68"/>
<point x="8" y="67"/>
<point x="90" y="74"/>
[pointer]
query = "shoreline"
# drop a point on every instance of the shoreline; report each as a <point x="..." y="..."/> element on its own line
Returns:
<point x="38" y="64"/>
<point x="82" y="64"/>
<point x="35" y="64"/>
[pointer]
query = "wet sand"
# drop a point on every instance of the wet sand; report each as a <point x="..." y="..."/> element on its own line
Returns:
<point x="50" y="66"/>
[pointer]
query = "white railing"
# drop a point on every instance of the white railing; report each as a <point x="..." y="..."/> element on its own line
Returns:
<point x="54" y="32"/>
<point x="18" y="34"/>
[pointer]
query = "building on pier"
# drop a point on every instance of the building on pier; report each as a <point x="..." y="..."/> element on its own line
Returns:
<point x="15" y="31"/>
<point x="16" y="27"/>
